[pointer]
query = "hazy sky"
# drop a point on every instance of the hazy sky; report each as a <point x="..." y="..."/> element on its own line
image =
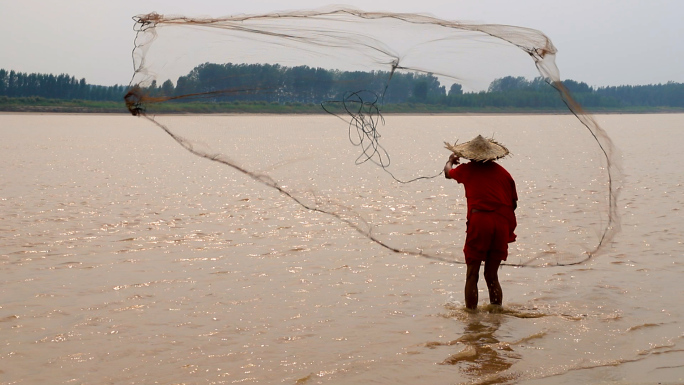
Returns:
<point x="601" y="42"/>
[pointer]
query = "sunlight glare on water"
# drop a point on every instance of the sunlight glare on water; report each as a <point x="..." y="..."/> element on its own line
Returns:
<point x="126" y="259"/>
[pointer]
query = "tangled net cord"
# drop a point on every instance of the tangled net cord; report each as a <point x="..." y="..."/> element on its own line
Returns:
<point x="364" y="118"/>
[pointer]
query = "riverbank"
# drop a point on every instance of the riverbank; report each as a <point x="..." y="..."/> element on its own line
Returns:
<point x="44" y="105"/>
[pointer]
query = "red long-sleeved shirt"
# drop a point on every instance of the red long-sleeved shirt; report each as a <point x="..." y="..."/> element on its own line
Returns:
<point x="488" y="187"/>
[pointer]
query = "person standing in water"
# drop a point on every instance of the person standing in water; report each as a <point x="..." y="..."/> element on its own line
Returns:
<point x="492" y="199"/>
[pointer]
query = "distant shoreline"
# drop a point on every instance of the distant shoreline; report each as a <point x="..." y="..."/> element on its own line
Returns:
<point x="472" y="113"/>
<point x="59" y="106"/>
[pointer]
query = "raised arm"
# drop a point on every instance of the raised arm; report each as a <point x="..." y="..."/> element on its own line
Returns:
<point x="453" y="159"/>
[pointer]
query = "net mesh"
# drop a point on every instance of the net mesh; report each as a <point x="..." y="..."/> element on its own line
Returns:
<point x="353" y="65"/>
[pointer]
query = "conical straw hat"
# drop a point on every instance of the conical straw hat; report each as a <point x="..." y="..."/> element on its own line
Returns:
<point x="480" y="149"/>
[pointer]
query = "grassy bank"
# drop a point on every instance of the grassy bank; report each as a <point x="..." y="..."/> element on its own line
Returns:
<point x="38" y="105"/>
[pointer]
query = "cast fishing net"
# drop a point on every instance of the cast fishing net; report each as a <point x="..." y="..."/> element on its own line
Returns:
<point x="379" y="174"/>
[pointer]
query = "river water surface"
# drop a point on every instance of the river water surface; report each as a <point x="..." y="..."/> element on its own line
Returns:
<point x="124" y="259"/>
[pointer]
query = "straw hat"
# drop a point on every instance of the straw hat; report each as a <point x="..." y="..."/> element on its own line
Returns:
<point x="480" y="149"/>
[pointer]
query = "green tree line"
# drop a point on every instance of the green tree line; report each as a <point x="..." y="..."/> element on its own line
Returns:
<point x="520" y="92"/>
<point x="18" y="84"/>
<point x="302" y="84"/>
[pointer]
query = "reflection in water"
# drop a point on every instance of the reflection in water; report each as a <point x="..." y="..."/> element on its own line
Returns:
<point x="483" y="357"/>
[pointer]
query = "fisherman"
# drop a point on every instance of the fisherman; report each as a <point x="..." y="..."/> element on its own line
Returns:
<point x="492" y="198"/>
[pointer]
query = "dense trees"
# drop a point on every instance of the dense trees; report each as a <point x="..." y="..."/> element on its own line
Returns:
<point x="302" y="84"/>
<point x="520" y="92"/>
<point x="670" y="94"/>
<point x="19" y="84"/>
<point x="279" y="84"/>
